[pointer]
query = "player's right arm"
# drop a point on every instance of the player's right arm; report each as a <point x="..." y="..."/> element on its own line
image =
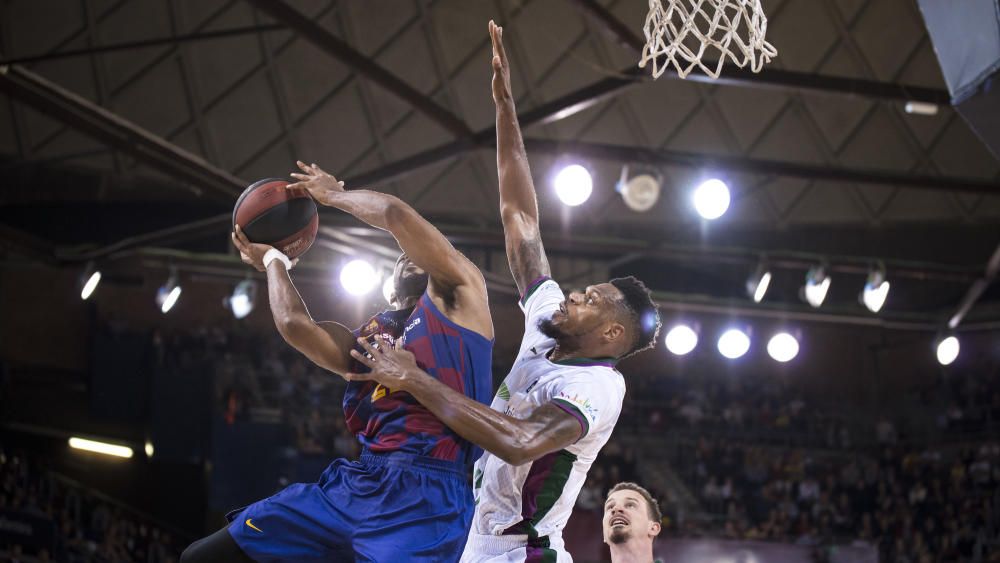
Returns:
<point x="326" y="344"/>
<point x="518" y="203"/>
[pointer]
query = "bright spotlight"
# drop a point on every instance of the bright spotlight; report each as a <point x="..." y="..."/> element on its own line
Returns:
<point x="149" y="449"/>
<point x="711" y="198"/>
<point x="783" y="347"/>
<point x="244" y="296"/>
<point x="734" y="343"/>
<point x="90" y="285"/>
<point x="358" y="277"/>
<point x="876" y="290"/>
<point x="100" y="447"/>
<point x="947" y="350"/>
<point x="817" y="284"/>
<point x="758" y="282"/>
<point x="168" y="293"/>
<point x="681" y="340"/>
<point x="388" y="289"/>
<point x="574" y="185"/>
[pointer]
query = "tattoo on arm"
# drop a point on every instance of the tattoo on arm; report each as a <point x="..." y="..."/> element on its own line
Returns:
<point x="528" y="262"/>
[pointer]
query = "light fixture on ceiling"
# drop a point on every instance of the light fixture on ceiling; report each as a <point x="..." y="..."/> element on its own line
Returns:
<point x="734" y="343"/>
<point x="681" y="340"/>
<point x="169" y="293"/>
<point x="817" y="285"/>
<point x="573" y="185"/>
<point x="783" y="347"/>
<point x="711" y="199"/>
<point x="89" y="280"/>
<point x="358" y="277"/>
<point x="947" y="350"/>
<point x="243" y="299"/>
<point x="100" y="447"/>
<point x="639" y="193"/>
<point x="876" y="289"/>
<point x="759" y="281"/>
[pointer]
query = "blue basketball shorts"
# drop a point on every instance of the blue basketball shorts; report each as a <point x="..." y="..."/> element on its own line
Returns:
<point x="383" y="508"/>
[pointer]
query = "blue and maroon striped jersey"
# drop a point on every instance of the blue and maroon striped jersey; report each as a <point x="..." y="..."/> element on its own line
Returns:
<point x="388" y="421"/>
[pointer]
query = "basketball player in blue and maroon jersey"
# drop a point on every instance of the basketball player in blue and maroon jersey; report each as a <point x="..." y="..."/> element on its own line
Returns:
<point x="407" y="498"/>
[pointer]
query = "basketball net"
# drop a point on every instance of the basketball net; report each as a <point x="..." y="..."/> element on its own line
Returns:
<point x="680" y="32"/>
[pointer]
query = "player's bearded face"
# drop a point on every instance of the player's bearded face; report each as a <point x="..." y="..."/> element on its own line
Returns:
<point x="409" y="279"/>
<point x="574" y="320"/>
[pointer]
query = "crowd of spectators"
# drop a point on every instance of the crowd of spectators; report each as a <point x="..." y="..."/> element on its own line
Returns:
<point x="258" y="377"/>
<point x="73" y="524"/>
<point x="913" y="505"/>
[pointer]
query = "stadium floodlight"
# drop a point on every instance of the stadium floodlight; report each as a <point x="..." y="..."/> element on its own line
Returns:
<point x="816" y="286"/>
<point x="681" y="340"/>
<point x="876" y="289"/>
<point x="759" y="281"/>
<point x="243" y="299"/>
<point x="947" y="350"/>
<point x="358" y="277"/>
<point x="573" y="185"/>
<point x="89" y="280"/>
<point x="711" y="199"/>
<point x="783" y="347"/>
<point x="169" y="293"/>
<point x="734" y="343"/>
<point x="100" y="447"/>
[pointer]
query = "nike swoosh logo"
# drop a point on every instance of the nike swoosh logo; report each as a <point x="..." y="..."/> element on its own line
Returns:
<point x="249" y="523"/>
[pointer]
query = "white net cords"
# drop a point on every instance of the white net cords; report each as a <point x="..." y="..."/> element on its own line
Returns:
<point x="707" y="23"/>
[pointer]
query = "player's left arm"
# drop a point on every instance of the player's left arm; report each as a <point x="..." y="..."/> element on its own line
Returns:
<point x="517" y="441"/>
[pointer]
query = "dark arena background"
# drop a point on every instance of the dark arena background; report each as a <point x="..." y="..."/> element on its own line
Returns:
<point x="840" y="209"/>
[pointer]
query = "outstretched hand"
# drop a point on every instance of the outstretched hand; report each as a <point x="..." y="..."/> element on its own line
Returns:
<point x="501" y="68"/>
<point x="321" y="185"/>
<point x="392" y="366"/>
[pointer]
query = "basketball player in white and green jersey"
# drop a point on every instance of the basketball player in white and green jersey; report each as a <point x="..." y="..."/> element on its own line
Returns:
<point x="559" y="404"/>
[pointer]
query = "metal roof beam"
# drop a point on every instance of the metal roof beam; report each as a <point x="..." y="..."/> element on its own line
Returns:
<point x="117" y="132"/>
<point x="339" y="49"/>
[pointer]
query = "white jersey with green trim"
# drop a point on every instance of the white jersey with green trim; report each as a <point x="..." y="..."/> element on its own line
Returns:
<point x="537" y="498"/>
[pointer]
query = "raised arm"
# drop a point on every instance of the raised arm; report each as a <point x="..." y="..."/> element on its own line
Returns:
<point x="421" y="241"/>
<point x="516" y="441"/>
<point x="326" y="344"/>
<point x="518" y="204"/>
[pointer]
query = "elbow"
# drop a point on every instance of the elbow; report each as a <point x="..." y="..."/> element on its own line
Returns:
<point x="518" y="450"/>
<point x="292" y="327"/>
<point x="514" y="215"/>
<point x="396" y="211"/>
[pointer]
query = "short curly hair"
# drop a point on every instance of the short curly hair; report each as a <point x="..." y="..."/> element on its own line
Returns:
<point x="642" y="312"/>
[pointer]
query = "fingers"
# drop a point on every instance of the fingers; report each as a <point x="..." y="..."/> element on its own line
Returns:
<point x="242" y="237"/>
<point x="399" y="344"/>
<point x="363" y="359"/>
<point x="368" y="346"/>
<point x="237" y="243"/>
<point x="357" y="376"/>
<point x="303" y="166"/>
<point x="496" y="34"/>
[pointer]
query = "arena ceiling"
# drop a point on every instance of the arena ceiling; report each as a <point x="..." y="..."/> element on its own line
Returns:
<point x="111" y="150"/>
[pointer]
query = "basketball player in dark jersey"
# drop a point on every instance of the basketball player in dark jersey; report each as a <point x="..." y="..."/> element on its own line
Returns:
<point x="407" y="498"/>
